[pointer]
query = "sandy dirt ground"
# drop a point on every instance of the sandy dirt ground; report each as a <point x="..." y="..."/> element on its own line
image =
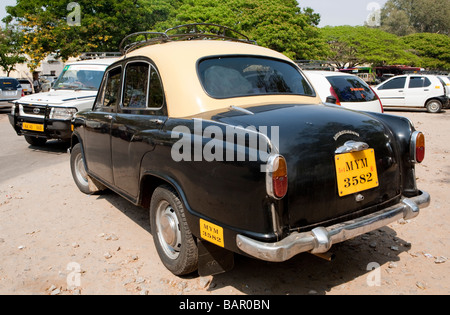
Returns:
<point x="54" y="240"/>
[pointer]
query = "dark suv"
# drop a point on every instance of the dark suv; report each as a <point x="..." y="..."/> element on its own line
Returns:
<point x="10" y="90"/>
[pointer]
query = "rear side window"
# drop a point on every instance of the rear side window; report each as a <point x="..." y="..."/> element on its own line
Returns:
<point x="419" y="82"/>
<point x="351" y="89"/>
<point x="9" y="84"/>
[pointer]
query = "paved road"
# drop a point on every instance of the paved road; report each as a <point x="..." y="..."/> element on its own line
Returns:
<point x="17" y="157"/>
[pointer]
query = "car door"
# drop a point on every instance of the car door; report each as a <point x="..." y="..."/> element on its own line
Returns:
<point x="392" y="92"/>
<point x="98" y="126"/>
<point x="141" y="112"/>
<point x="418" y="91"/>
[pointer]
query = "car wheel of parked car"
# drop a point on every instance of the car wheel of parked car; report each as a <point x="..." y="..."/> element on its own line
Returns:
<point x="173" y="239"/>
<point x="79" y="172"/>
<point x="36" y="141"/>
<point x="434" y="106"/>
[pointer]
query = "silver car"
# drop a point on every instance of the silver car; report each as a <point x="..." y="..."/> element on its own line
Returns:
<point x="10" y="90"/>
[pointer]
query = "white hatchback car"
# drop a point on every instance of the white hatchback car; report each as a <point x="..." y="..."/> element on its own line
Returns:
<point x="416" y="90"/>
<point x="344" y="89"/>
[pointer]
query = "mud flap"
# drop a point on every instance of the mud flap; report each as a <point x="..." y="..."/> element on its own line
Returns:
<point x="213" y="260"/>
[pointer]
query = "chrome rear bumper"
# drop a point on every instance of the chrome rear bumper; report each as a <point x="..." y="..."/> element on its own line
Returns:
<point x="320" y="240"/>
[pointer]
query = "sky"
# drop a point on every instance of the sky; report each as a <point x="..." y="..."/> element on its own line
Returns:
<point x="342" y="12"/>
<point x="333" y="12"/>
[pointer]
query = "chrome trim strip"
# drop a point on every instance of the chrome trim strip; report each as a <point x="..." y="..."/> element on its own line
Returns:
<point x="320" y="239"/>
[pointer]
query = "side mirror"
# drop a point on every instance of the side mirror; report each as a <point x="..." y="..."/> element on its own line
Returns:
<point x="331" y="99"/>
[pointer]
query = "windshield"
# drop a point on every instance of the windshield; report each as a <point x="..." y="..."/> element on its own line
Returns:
<point x="227" y="77"/>
<point x="80" y="77"/>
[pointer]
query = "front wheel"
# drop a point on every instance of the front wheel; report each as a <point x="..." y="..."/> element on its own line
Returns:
<point x="79" y="173"/>
<point x="173" y="239"/>
<point x="35" y="141"/>
<point x="434" y="106"/>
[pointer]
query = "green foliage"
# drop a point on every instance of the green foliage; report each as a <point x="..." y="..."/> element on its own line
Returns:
<point x="279" y="25"/>
<point x="10" y="44"/>
<point x="433" y="49"/>
<point x="103" y="24"/>
<point x="404" y="17"/>
<point x="361" y="44"/>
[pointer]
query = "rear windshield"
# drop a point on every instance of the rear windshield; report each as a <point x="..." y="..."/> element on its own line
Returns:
<point x="351" y="89"/>
<point x="228" y="77"/>
<point x="9" y="84"/>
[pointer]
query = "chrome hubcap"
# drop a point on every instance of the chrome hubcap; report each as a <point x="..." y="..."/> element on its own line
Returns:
<point x="168" y="230"/>
<point x="434" y="106"/>
<point x="80" y="170"/>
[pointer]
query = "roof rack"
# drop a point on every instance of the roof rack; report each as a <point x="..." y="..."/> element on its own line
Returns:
<point x="99" y="55"/>
<point x="195" y="31"/>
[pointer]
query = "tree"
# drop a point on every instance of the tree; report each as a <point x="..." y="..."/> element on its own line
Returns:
<point x="358" y="45"/>
<point x="404" y="17"/>
<point x="433" y="49"/>
<point x="277" y="24"/>
<point x="47" y="26"/>
<point x="10" y="50"/>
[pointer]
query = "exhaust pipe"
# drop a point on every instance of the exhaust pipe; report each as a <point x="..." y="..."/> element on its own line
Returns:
<point x="327" y="256"/>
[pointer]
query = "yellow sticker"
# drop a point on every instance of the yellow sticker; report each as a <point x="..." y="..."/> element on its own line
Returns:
<point x="212" y="233"/>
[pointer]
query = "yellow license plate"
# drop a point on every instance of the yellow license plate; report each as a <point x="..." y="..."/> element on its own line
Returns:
<point x="356" y="171"/>
<point x="33" y="127"/>
<point x="212" y="233"/>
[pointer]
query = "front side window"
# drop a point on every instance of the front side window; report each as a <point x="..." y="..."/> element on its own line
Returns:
<point x="109" y="95"/>
<point x="228" y="77"/>
<point x="351" y="89"/>
<point x="397" y="83"/>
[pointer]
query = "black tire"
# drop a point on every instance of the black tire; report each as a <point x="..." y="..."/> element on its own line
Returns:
<point x="173" y="239"/>
<point x="35" y="141"/>
<point x="79" y="173"/>
<point x="434" y="106"/>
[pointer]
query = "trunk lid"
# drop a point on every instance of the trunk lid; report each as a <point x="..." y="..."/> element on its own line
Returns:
<point x="309" y="136"/>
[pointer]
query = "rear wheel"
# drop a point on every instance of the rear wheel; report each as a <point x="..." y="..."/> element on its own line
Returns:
<point x="173" y="239"/>
<point x="434" y="106"/>
<point x="36" y="141"/>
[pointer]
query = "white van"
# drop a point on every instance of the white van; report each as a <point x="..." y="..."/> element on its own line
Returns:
<point x="414" y="90"/>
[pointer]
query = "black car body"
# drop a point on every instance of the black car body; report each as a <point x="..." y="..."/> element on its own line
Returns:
<point x="264" y="170"/>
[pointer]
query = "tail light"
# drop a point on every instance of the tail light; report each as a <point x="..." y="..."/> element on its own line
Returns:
<point x="333" y="93"/>
<point x="277" y="177"/>
<point x="23" y="93"/>
<point x="417" y="147"/>
<point x="379" y="100"/>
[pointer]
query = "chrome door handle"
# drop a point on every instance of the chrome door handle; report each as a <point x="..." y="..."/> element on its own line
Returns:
<point x="108" y="116"/>
<point x="157" y="121"/>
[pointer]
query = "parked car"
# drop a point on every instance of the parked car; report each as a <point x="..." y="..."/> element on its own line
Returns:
<point x="423" y="91"/>
<point x="231" y="150"/>
<point x="446" y="82"/>
<point x="10" y="89"/>
<point x="27" y="86"/>
<point x="43" y="116"/>
<point x="346" y="90"/>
